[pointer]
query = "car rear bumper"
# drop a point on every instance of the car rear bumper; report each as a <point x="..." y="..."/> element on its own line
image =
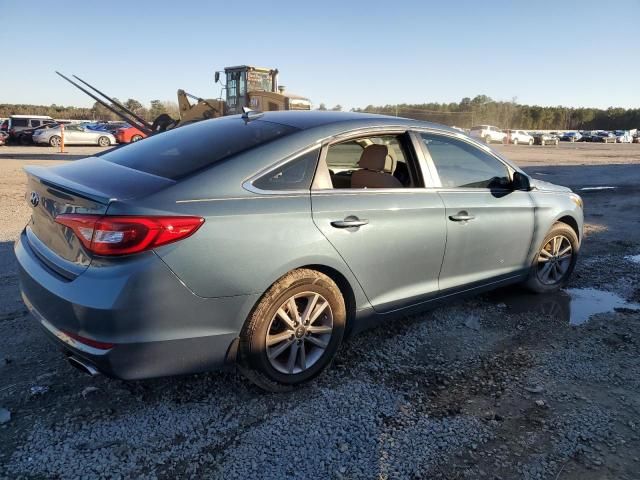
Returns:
<point x="151" y="325"/>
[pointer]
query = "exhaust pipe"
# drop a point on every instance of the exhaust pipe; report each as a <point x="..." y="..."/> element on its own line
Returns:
<point x="83" y="366"/>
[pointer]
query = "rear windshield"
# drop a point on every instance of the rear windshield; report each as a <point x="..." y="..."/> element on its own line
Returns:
<point x="185" y="150"/>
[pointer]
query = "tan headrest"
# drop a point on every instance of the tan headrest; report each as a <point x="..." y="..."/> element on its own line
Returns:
<point x="374" y="158"/>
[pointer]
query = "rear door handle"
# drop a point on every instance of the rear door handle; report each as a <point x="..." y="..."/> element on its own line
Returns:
<point x="349" y="222"/>
<point x="461" y="217"/>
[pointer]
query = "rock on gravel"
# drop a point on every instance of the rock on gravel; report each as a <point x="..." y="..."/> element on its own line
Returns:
<point x="5" y="415"/>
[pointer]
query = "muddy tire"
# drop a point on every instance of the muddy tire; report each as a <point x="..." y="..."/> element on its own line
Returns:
<point x="294" y="332"/>
<point x="556" y="258"/>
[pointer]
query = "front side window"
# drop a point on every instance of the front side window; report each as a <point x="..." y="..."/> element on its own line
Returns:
<point x="370" y="162"/>
<point x="35" y="123"/>
<point x="462" y="165"/>
<point x="294" y="175"/>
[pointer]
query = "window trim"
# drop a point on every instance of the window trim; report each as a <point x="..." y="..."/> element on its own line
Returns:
<point x="250" y="187"/>
<point x="421" y="171"/>
<point x="437" y="184"/>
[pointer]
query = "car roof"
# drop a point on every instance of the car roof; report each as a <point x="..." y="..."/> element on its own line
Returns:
<point x="46" y="117"/>
<point x="305" y="120"/>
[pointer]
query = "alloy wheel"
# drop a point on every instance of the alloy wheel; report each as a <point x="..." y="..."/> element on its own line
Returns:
<point x="299" y="332"/>
<point x="554" y="260"/>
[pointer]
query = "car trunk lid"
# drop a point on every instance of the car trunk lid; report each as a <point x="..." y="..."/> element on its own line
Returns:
<point x="87" y="187"/>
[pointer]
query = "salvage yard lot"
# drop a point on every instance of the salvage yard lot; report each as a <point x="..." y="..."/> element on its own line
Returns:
<point x="503" y="385"/>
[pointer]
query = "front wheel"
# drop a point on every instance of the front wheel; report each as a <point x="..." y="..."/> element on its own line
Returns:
<point x="104" y="141"/>
<point x="555" y="260"/>
<point x="530" y="142"/>
<point x="135" y="138"/>
<point x="515" y="141"/>
<point x="54" y="141"/>
<point x="294" y="332"/>
<point x="557" y="141"/>
<point x="487" y="139"/>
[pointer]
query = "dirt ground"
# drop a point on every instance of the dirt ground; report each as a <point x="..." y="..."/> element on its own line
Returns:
<point x="503" y="385"/>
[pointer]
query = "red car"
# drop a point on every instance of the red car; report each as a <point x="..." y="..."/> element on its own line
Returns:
<point x="129" y="134"/>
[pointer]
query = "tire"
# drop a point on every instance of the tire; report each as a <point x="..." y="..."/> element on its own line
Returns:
<point x="104" y="141"/>
<point x="544" y="278"/>
<point x="54" y="141"/>
<point x="515" y="141"/>
<point x="557" y="142"/>
<point x="542" y="143"/>
<point x="135" y="138"/>
<point x="271" y="367"/>
<point x="487" y="139"/>
<point x="530" y="142"/>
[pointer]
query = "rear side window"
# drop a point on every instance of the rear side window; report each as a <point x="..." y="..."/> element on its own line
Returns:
<point x="294" y="175"/>
<point x="185" y="150"/>
<point x="19" y="122"/>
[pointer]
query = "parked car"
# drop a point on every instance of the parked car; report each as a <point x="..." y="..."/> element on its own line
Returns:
<point x="604" y="137"/>
<point x="519" y="136"/>
<point x="260" y="239"/>
<point x="129" y="134"/>
<point x="571" y="137"/>
<point x="488" y="133"/>
<point x="623" y="136"/>
<point x="543" y="139"/>
<point x="17" y="123"/>
<point x="73" y="135"/>
<point x="25" y="137"/>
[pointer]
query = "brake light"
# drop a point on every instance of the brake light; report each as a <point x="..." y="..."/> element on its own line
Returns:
<point x="110" y="235"/>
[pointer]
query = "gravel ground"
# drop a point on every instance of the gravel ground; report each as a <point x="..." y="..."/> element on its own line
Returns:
<point x="497" y="386"/>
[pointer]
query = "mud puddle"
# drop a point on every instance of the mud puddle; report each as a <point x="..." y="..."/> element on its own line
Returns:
<point x="574" y="305"/>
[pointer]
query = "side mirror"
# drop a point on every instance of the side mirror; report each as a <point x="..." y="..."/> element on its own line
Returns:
<point x="520" y="182"/>
<point x="216" y="77"/>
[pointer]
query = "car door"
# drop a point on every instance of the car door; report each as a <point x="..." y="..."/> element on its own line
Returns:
<point x="392" y="238"/>
<point x="72" y="134"/>
<point x="489" y="225"/>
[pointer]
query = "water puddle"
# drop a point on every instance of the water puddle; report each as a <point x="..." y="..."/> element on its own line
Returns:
<point x="633" y="258"/>
<point x="597" y="188"/>
<point x="574" y="305"/>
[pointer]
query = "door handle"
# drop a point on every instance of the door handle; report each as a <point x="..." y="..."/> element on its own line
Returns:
<point x="462" y="216"/>
<point x="349" y="222"/>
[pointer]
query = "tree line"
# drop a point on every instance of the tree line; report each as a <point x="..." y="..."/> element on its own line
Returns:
<point x="466" y="113"/>
<point x="97" y="112"/>
<point x="484" y="110"/>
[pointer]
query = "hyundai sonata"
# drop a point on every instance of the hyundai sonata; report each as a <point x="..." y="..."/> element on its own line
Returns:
<point x="265" y="239"/>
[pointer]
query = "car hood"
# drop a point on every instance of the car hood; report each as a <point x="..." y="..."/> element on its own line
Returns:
<point x="547" y="186"/>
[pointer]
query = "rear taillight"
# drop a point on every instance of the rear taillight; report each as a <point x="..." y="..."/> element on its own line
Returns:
<point x="106" y="235"/>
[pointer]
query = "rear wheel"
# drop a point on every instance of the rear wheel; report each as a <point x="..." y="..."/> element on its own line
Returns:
<point x="104" y="141"/>
<point x="557" y="141"/>
<point x="294" y="332"/>
<point x="54" y="141"/>
<point x="487" y="139"/>
<point x="555" y="261"/>
<point x="530" y="141"/>
<point x="135" y="138"/>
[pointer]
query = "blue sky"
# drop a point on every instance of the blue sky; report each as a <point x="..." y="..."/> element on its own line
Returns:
<point x="353" y="53"/>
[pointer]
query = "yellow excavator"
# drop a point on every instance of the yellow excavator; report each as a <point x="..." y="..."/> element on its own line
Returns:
<point x="246" y="88"/>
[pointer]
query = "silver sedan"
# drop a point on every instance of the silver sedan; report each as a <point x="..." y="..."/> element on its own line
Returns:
<point x="73" y="135"/>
